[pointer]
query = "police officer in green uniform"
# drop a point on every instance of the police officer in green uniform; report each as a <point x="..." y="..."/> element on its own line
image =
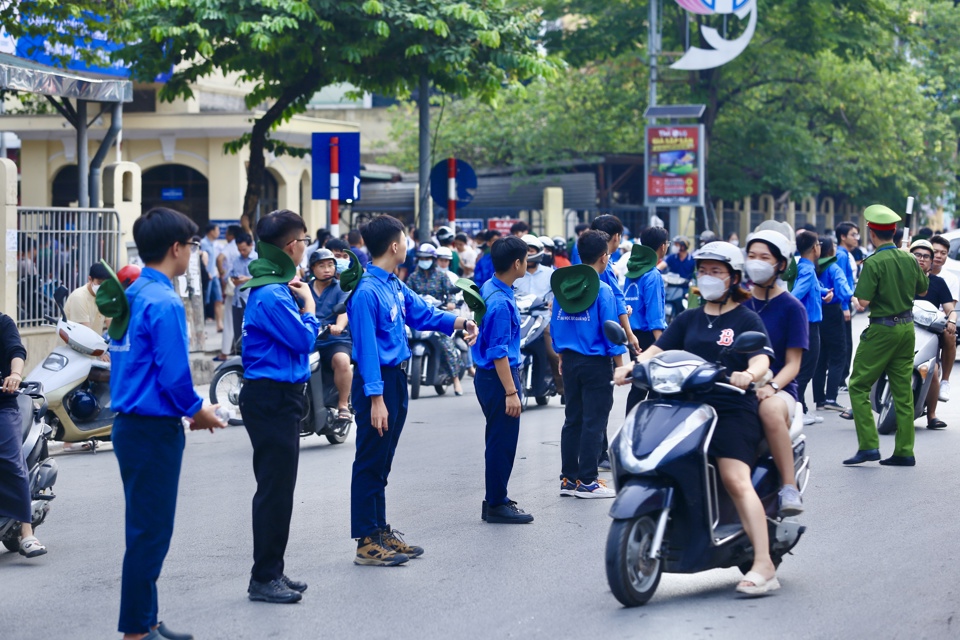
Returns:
<point x="888" y="284"/>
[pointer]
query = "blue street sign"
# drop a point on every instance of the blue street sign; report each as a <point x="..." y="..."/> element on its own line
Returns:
<point x="171" y="193"/>
<point x="466" y="184"/>
<point x="471" y="226"/>
<point x="349" y="165"/>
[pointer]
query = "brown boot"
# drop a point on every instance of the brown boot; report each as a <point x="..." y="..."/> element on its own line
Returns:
<point x="392" y="540"/>
<point x="373" y="551"/>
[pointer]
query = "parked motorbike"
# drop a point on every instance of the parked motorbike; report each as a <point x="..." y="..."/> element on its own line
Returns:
<point x="929" y="323"/>
<point x="672" y="513"/>
<point x="426" y="350"/>
<point x="675" y="291"/>
<point x="536" y="376"/>
<point x="41" y="469"/>
<point x="320" y="412"/>
<point x="76" y="382"/>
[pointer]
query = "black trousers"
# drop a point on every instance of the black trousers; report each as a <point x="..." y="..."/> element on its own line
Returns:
<point x="586" y="380"/>
<point x="636" y="396"/>
<point x="271" y="414"/>
<point x="833" y="354"/>
<point x="237" y="328"/>
<point x="808" y="366"/>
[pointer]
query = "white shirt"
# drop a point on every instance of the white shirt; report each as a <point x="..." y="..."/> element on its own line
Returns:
<point x="536" y="283"/>
<point x="952" y="283"/>
<point x="468" y="257"/>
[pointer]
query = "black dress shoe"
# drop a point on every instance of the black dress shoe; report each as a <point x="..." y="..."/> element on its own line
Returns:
<point x="508" y="514"/>
<point x="297" y="586"/>
<point x="868" y="455"/>
<point x="899" y="461"/>
<point x="274" y="592"/>
<point x="483" y="511"/>
<point x="172" y="635"/>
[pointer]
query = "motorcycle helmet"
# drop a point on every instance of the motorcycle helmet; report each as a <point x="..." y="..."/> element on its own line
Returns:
<point x="445" y="234"/>
<point x="533" y="241"/>
<point x="707" y="237"/>
<point x="559" y="244"/>
<point x="321" y="254"/>
<point x="444" y="253"/>
<point x="683" y="241"/>
<point x="722" y="252"/>
<point x="82" y="405"/>
<point x="778" y="243"/>
<point x="128" y="275"/>
<point x="427" y="251"/>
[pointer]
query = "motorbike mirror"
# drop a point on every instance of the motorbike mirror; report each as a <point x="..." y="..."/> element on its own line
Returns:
<point x="747" y="342"/>
<point x="339" y="308"/>
<point x="60" y="297"/>
<point x="614" y="332"/>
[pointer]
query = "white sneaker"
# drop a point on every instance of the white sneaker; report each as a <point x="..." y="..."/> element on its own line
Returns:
<point x="944" y="391"/>
<point x="808" y="419"/>
<point x="597" y="489"/>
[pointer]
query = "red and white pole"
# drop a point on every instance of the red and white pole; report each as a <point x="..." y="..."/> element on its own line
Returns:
<point x="335" y="186"/>
<point x="451" y="189"/>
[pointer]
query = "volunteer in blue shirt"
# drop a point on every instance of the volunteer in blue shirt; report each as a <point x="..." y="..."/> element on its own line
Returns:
<point x="578" y="230"/>
<point x="378" y="309"/>
<point x="612" y="226"/>
<point x="848" y="241"/>
<point x="484" y="269"/>
<point x="279" y="332"/>
<point x="808" y="290"/>
<point x="833" y="345"/>
<point x="152" y="391"/>
<point x="583" y="302"/>
<point x="643" y="290"/>
<point x="496" y="355"/>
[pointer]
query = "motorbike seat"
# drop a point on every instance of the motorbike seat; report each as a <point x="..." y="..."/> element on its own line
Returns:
<point x="25" y="403"/>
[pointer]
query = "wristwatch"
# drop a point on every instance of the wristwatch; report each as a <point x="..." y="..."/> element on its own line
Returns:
<point x="775" y="386"/>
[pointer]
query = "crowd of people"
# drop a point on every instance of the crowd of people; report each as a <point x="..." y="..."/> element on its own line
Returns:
<point x="800" y="289"/>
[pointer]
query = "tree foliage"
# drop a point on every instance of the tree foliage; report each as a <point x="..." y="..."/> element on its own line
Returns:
<point x="289" y="49"/>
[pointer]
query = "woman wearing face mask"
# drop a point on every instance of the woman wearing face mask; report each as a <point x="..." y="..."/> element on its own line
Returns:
<point x="430" y="280"/>
<point x="336" y="349"/>
<point x="706" y="331"/>
<point x="444" y="257"/>
<point x="768" y="254"/>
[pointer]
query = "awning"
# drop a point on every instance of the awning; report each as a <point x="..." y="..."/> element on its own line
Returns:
<point x="20" y="74"/>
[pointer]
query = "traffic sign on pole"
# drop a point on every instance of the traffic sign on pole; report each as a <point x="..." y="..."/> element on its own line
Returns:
<point x="348" y="150"/>
<point x="463" y="183"/>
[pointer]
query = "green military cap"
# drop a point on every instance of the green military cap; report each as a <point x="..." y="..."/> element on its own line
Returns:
<point x="576" y="287"/>
<point x="473" y="298"/>
<point x="350" y="278"/>
<point x="881" y="217"/>
<point x="642" y="259"/>
<point x="112" y="302"/>
<point x="272" y="266"/>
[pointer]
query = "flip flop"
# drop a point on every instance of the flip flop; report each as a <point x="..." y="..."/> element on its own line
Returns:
<point x="760" y="586"/>
<point x="31" y="547"/>
<point x="847" y="414"/>
<point x="936" y="424"/>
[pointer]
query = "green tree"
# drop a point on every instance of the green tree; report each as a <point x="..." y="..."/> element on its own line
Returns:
<point x="289" y="49"/>
<point x="62" y="24"/>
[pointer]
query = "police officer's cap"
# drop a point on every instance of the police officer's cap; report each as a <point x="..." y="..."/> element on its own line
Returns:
<point x="881" y="217"/>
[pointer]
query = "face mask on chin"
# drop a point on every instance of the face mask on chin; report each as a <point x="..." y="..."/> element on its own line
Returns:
<point x="712" y="288"/>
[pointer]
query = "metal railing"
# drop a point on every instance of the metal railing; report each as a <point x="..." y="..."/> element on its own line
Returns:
<point x="56" y="247"/>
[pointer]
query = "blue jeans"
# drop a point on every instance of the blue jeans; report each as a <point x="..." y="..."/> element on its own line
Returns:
<point x="371" y="466"/>
<point x="501" y="435"/>
<point x="149" y="451"/>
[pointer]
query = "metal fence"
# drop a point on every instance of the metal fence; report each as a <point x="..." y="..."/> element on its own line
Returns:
<point x="56" y="247"/>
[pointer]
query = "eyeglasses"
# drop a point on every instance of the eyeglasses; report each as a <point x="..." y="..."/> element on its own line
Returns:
<point x="306" y="240"/>
<point x="922" y="256"/>
<point x="194" y="246"/>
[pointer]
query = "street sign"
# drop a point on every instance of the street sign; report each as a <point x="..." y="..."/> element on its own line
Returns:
<point x="349" y="150"/>
<point x="471" y="226"/>
<point x="171" y="193"/>
<point x="675" y="166"/>
<point x="439" y="184"/>
<point x="502" y="224"/>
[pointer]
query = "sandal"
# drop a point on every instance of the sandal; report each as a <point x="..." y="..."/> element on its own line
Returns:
<point x="31" y="547"/>
<point x="847" y="414"/>
<point x="834" y="406"/>
<point x="936" y="424"/>
<point x="757" y="585"/>
<point x="70" y="447"/>
<point x="345" y="415"/>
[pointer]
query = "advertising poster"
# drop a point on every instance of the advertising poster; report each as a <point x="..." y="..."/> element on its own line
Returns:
<point x="674" y="165"/>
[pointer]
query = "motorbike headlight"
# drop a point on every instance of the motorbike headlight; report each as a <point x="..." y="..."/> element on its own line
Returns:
<point x="54" y="362"/>
<point x="669" y="379"/>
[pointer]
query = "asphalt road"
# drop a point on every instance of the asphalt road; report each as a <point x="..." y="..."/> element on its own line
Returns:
<point x="875" y="562"/>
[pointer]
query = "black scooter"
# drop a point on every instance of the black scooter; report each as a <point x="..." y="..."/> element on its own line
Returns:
<point x="536" y="376"/>
<point x="41" y="469"/>
<point x="426" y="353"/>
<point x="320" y="415"/>
<point x="672" y="512"/>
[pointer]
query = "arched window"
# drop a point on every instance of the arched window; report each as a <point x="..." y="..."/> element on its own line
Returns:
<point x="180" y="188"/>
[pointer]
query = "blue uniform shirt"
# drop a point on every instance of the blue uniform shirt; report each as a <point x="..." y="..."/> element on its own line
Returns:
<point x="808" y="291"/>
<point x="377" y="311"/>
<point x="610" y="277"/>
<point x="277" y="339"/>
<point x="832" y="278"/>
<point x="326" y="301"/>
<point x="646" y="295"/>
<point x="583" y="332"/>
<point x="484" y="269"/>
<point x="684" y="268"/>
<point x="500" y="330"/>
<point x="574" y="255"/>
<point x="150" y="366"/>
<point x="843" y="259"/>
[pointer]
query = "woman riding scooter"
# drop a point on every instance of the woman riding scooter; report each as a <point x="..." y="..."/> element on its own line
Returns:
<point x="707" y="331"/>
<point x="335" y="349"/>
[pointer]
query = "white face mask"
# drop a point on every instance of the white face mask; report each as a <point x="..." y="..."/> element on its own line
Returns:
<point x="760" y="271"/>
<point x="95" y="288"/>
<point x="425" y="264"/>
<point x="342" y="265"/>
<point x="674" y="248"/>
<point x="735" y="243"/>
<point x="712" y="288"/>
<point x="443" y="269"/>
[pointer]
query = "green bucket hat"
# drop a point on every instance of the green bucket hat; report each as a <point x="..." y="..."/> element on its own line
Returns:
<point x="823" y="263"/>
<point x="642" y="259"/>
<point x="112" y="302"/>
<point x="473" y="298"/>
<point x="576" y="287"/>
<point x="350" y="278"/>
<point x="272" y="266"/>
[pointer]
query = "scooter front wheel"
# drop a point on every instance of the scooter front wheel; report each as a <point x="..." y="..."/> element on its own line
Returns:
<point x="632" y="576"/>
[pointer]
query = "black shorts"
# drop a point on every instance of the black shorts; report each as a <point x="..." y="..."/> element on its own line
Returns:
<point x="738" y="432"/>
<point x="327" y="351"/>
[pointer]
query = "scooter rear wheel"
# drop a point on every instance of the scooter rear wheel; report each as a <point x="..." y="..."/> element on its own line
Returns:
<point x="633" y="578"/>
<point x="225" y="391"/>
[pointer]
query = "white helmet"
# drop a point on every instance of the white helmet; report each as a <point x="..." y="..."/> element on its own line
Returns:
<point x="533" y="241"/>
<point x="427" y="250"/>
<point x="721" y="252"/>
<point x="444" y="253"/>
<point x="775" y="239"/>
<point x="547" y="242"/>
<point x="781" y="227"/>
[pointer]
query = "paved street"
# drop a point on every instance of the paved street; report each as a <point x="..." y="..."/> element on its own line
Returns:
<point x="873" y="564"/>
